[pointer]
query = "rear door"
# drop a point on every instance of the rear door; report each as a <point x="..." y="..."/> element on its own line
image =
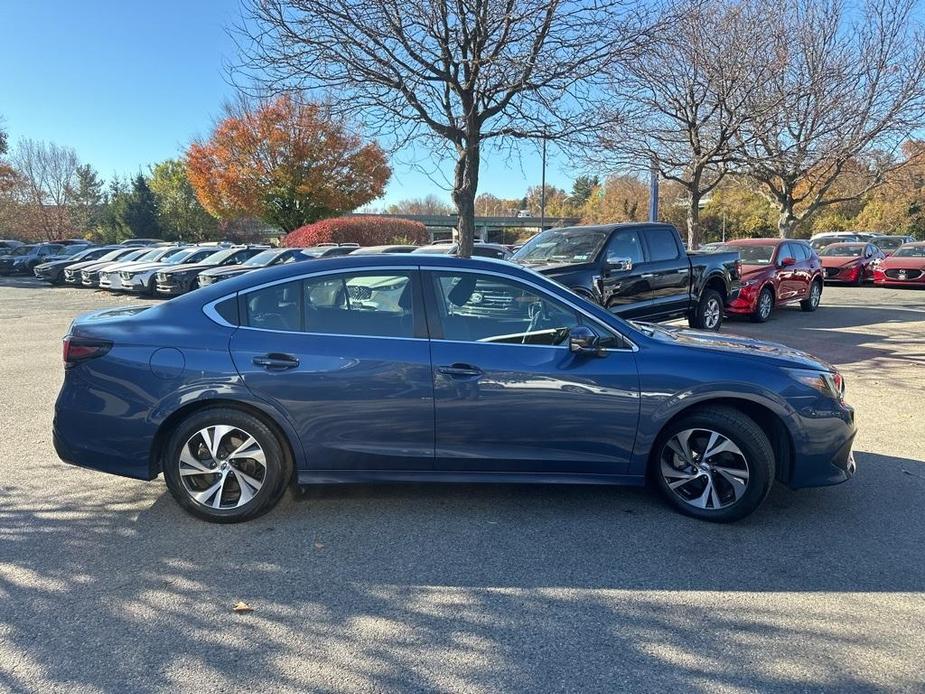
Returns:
<point x="346" y="356"/>
<point x="667" y="270"/>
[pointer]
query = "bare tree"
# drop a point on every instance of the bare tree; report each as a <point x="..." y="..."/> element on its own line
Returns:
<point x="848" y="88"/>
<point x="683" y="98"/>
<point x="46" y="174"/>
<point x="451" y="75"/>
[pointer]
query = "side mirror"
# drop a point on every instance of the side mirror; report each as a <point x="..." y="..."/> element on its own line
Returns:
<point x="788" y="261"/>
<point x="582" y="340"/>
<point x="620" y="264"/>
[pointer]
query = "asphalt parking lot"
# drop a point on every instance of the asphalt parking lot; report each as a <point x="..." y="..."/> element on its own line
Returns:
<point x="106" y="585"/>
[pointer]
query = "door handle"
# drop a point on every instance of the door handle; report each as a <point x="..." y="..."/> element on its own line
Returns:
<point x="647" y="275"/>
<point x="276" y="362"/>
<point x="459" y="370"/>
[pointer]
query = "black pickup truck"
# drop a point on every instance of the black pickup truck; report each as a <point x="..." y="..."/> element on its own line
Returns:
<point x="637" y="270"/>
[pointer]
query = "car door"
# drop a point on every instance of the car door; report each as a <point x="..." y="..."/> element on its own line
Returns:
<point x="623" y="290"/>
<point x="786" y="274"/>
<point x="345" y="355"/>
<point x="668" y="271"/>
<point x="509" y="396"/>
<point x="803" y="274"/>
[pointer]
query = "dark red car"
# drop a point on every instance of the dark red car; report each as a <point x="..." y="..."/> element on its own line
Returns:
<point x="905" y="267"/>
<point x="852" y="263"/>
<point x="774" y="272"/>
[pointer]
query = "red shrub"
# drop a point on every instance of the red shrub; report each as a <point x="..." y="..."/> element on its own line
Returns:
<point x="364" y="230"/>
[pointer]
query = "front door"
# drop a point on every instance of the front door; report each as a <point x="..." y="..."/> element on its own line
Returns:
<point x="345" y="355"/>
<point x="624" y="289"/>
<point x="509" y="396"/>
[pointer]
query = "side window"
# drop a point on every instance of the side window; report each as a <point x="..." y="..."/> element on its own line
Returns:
<point x="486" y="308"/>
<point x="368" y="304"/>
<point x="662" y="244"/>
<point x="625" y="243"/>
<point x="277" y="307"/>
<point x="803" y="252"/>
<point x="788" y="251"/>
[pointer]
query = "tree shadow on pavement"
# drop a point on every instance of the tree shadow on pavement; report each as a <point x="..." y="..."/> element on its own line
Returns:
<point x="882" y="334"/>
<point x="457" y="587"/>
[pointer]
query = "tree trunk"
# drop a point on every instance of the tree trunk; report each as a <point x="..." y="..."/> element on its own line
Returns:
<point x="785" y="222"/>
<point x="465" y="184"/>
<point x="694" y="238"/>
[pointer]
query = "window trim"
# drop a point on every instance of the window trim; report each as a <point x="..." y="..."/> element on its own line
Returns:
<point x="209" y="308"/>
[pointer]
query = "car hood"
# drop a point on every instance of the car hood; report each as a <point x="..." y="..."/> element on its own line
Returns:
<point x="231" y="271"/>
<point x="144" y="267"/>
<point x="172" y="269"/>
<point x="85" y="264"/>
<point x="753" y="272"/>
<point x="838" y="261"/>
<point x="911" y="262"/>
<point x="741" y="346"/>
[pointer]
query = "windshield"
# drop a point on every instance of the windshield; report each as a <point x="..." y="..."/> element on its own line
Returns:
<point x="112" y="255"/>
<point x="844" y="250"/>
<point x="443" y="249"/>
<point x="910" y="252"/>
<point x="562" y="246"/>
<point x="262" y="258"/>
<point x="220" y="256"/>
<point x="134" y="255"/>
<point x="752" y="254"/>
<point x="888" y="243"/>
<point x="152" y="255"/>
<point x="22" y="250"/>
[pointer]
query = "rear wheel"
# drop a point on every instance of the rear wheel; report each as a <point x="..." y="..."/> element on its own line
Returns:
<point x="716" y="464"/>
<point x="225" y="465"/>
<point x="815" y="296"/>
<point x="765" y="306"/>
<point x="708" y="314"/>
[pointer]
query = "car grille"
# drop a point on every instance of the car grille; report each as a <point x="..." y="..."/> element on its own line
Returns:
<point x="901" y="274"/>
<point x="489" y="300"/>
<point x="361" y="293"/>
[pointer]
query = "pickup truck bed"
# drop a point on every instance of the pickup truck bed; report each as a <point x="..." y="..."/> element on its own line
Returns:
<point x="637" y="270"/>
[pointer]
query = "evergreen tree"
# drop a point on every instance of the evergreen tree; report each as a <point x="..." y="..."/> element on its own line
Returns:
<point x="140" y="214"/>
<point x="86" y="199"/>
<point x="582" y="189"/>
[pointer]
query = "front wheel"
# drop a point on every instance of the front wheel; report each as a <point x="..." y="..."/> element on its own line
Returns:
<point x="716" y="464"/>
<point x="765" y="306"/>
<point x="815" y="296"/>
<point x="708" y="313"/>
<point x="225" y="466"/>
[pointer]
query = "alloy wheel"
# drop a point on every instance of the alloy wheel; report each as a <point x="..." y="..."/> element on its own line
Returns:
<point x="711" y="314"/>
<point x="222" y="467"/>
<point x="765" y="304"/>
<point x="815" y="294"/>
<point x="704" y="469"/>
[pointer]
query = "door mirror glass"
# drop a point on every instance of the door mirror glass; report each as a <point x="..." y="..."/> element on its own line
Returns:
<point x="582" y="340"/>
<point x="788" y="261"/>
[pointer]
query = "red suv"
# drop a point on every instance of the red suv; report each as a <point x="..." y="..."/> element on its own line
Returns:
<point x="774" y="272"/>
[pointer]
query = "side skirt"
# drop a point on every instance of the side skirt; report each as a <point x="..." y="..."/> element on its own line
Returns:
<point x="306" y="477"/>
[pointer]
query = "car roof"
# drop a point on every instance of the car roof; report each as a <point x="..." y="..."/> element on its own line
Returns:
<point x="847" y="244"/>
<point x="762" y="241"/>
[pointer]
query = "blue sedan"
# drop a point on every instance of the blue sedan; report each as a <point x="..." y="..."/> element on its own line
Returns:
<point x="417" y="368"/>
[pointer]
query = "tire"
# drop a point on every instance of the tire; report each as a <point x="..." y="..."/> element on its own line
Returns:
<point x="815" y="296"/>
<point x="243" y="486"/>
<point x="708" y="314"/>
<point x="765" y="306"/>
<point x="724" y="487"/>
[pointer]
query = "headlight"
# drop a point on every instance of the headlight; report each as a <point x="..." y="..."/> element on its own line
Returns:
<point x="829" y="383"/>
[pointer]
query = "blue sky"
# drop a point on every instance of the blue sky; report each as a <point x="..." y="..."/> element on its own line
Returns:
<point x="129" y="83"/>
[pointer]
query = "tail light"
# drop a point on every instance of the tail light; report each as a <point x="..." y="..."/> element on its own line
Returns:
<point x="78" y="349"/>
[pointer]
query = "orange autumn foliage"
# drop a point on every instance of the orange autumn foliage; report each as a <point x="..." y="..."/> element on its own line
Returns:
<point x="287" y="162"/>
